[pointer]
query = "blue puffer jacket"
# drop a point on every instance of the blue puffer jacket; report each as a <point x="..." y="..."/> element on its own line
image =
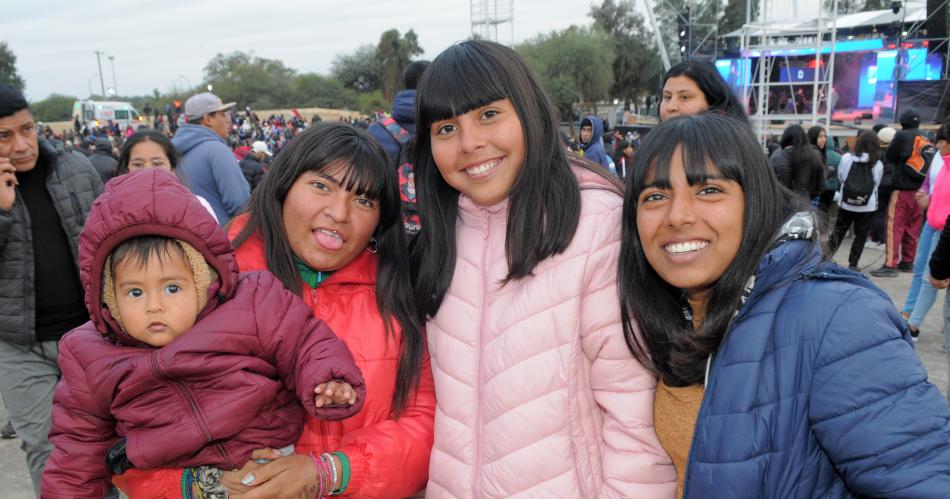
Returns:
<point x="594" y="148"/>
<point x="816" y="391"/>
<point x="404" y="112"/>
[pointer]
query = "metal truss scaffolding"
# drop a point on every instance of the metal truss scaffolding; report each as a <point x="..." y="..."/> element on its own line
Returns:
<point x="765" y="48"/>
<point x="489" y="15"/>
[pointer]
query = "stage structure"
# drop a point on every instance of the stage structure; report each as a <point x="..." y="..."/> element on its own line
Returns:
<point x="842" y="71"/>
<point x="766" y="47"/>
<point x="494" y="20"/>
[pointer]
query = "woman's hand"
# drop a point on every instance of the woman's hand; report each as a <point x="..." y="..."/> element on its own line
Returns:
<point x="939" y="283"/>
<point x="335" y="392"/>
<point x="287" y="477"/>
<point x="923" y="200"/>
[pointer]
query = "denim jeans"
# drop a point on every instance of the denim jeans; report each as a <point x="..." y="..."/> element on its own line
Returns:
<point x="946" y="334"/>
<point x="927" y="294"/>
<point x="925" y="247"/>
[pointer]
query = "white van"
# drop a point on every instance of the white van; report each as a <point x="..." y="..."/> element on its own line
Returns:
<point x="99" y="113"/>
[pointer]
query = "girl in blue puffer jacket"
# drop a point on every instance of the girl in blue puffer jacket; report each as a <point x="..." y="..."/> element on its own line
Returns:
<point x="781" y="374"/>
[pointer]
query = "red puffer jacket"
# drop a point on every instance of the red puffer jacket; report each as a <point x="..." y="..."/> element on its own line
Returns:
<point x="212" y="395"/>
<point x="389" y="456"/>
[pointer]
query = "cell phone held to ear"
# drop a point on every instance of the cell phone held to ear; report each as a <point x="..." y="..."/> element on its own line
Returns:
<point x="8" y="183"/>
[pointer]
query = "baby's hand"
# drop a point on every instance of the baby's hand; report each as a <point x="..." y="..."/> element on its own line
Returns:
<point x="334" y="392"/>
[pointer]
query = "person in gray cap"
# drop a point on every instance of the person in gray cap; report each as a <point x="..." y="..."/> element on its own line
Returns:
<point x="207" y="166"/>
<point x="45" y="196"/>
<point x="103" y="160"/>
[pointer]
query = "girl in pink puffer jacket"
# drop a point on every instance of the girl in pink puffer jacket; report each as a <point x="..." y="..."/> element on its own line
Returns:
<point x="537" y="393"/>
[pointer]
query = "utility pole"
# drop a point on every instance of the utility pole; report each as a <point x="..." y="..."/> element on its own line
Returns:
<point x="664" y="57"/>
<point x="102" y="81"/>
<point x="115" y="88"/>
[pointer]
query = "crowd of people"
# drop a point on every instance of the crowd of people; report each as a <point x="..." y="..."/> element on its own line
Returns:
<point x="452" y="301"/>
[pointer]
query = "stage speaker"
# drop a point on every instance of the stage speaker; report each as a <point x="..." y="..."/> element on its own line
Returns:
<point x="936" y="21"/>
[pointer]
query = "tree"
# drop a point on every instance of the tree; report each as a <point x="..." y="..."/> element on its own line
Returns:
<point x="852" y="6"/>
<point x="249" y="80"/>
<point x="359" y="70"/>
<point x="8" y="73"/>
<point x="394" y="53"/>
<point x="733" y="17"/>
<point x="636" y="65"/>
<point x="574" y="65"/>
<point x="313" y="90"/>
<point x="56" y="107"/>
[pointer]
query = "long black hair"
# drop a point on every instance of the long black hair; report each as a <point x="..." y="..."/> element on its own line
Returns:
<point x="813" y="134"/>
<point x="795" y="144"/>
<point x="147" y="136"/>
<point x="367" y="173"/>
<point x="719" y="96"/>
<point x="544" y="202"/>
<point x="667" y="342"/>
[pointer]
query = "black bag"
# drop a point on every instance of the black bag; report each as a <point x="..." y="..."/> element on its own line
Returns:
<point x="859" y="185"/>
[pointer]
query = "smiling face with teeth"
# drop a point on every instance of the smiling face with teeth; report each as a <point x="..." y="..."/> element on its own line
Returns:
<point x="328" y="226"/>
<point x="480" y="153"/>
<point x="690" y="234"/>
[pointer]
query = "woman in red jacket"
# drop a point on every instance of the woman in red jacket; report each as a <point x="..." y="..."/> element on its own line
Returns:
<point x="326" y="221"/>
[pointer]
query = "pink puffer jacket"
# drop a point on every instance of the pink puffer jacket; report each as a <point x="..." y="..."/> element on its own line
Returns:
<point x="537" y="394"/>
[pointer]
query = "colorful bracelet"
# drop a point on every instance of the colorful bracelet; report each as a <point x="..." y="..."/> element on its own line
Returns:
<point x="321" y="475"/>
<point x="345" y="480"/>
<point x="328" y="462"/>
<point x="186" y="481"/>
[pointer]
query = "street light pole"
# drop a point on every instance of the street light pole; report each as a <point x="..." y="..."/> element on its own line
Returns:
<point x="102" y="81"/>
<point x="187" y="82"/>
<point x="89" y="84"/>
<point x="115" y="87"/>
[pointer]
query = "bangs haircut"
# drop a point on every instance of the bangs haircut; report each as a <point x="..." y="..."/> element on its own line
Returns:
<point x="463" y="81"/>
<point x="353" y="158"/>
<point x="138" y="251"/>
<point x="544" y="201"/>
<point x="148" y="136"/>
<point x="711" y="146"/>
<point x="350" y="156"/>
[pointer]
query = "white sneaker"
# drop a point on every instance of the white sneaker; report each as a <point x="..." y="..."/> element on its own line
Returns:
<point x="874" y="245"/>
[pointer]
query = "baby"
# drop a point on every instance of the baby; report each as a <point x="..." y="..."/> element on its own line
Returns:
<point x="186" y="362"/>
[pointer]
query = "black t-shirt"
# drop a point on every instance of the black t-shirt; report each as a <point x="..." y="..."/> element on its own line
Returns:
<point x="59" y="294"/>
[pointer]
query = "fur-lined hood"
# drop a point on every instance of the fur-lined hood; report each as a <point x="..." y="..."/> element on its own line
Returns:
<point x="149" y="202"/>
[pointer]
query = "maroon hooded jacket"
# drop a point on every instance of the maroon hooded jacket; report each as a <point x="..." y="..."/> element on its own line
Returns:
<point x="233" y="383"/>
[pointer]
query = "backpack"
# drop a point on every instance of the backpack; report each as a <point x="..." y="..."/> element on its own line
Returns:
<point x="859" y="185"/>
<point x="407" y="180"/>
<point x="920" y="158"/>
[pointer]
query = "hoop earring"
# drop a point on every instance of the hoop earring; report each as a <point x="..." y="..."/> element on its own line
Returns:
<point x="372" y="246"/>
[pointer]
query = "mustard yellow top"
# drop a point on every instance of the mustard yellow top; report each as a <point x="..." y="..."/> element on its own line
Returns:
<point x="675" y="410"/>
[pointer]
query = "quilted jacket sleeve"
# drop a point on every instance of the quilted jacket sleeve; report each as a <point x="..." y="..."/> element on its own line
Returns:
<point x="391" y="458"/>
<point x="634" y="463"/>
<point x="79" y="434"/>
<point x="305" y="350"/>
<point x="388" y="459"/>
<point x="885" y="428"/>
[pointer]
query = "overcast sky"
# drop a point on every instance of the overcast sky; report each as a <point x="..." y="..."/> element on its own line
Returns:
<point x="166" y="43"/>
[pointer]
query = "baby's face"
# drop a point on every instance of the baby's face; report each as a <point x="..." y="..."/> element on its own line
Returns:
<point x="157" y="301"/>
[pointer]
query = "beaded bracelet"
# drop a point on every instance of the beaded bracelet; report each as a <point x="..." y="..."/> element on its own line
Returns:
<point x="345" y="465"/>
<point x="321" y="475"/>
<point x="328" y="462"/>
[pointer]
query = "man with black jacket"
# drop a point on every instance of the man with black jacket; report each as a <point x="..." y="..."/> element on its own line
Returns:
<point x="44" y="199"/>
<point x="904" y="216"/>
